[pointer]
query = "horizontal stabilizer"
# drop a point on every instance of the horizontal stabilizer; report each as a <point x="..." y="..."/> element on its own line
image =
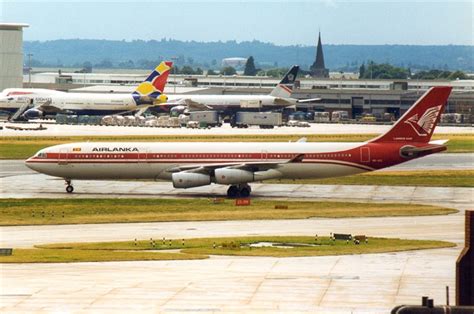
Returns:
<point x="438" y="142"/>
<point x="415" y="152"/>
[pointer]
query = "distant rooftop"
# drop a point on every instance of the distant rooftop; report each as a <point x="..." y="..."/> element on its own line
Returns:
<point x="13" y="26"/>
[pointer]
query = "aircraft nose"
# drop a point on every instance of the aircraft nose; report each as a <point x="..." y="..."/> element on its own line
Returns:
<point x="30" y="164"/>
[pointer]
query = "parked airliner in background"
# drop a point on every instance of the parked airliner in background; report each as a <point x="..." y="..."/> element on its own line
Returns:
<point x="237" y="164"/>
<point x="279" y="97"/>
<point x="36" y="103"/>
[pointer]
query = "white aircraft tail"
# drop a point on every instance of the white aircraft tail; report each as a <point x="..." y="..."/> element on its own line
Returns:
<point x="285" y="87"/>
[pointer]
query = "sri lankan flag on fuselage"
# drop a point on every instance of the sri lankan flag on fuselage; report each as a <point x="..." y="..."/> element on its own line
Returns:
<point x="151" y="90"/>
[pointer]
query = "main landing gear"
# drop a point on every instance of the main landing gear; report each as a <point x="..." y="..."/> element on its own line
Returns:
<point x="69" y="187"/>
<point x="241" y="190"/>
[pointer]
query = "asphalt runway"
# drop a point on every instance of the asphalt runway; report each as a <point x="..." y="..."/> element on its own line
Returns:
<point x="53" y="129"/>
<point x="369" y="283"/>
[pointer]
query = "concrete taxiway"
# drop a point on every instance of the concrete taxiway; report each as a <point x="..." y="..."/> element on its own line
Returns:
<point x="370" y="283"/>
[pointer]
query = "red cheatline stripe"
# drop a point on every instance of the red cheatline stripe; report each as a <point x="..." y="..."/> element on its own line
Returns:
<point x="190" y="162"/>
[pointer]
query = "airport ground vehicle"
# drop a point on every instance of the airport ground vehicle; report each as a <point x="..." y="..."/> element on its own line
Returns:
<point x="264" y="120"/>
<point x="298" y="123"/>
<point x="209" y="118"/>
<point x="368" y="118"/>
<point x="321" y="117"/>
<point x="195" y="164"/>
<point x="452" y="118"/>
<point x="337" y="116"/>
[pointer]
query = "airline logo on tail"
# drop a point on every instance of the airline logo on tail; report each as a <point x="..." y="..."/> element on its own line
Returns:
<point x="426" y="123"/>
<point x="152" y="88"/>
<point x="285" y="87"/>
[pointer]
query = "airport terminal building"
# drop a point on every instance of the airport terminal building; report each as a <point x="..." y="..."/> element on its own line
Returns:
<point x="356" y="97"/>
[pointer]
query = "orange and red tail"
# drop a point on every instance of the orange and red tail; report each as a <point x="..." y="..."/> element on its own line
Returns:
<point x="418" y="123"/>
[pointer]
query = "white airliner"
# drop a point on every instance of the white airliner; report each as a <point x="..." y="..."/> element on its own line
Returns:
<point x="279" y="97"/>
<point x="190" y="165"/>
<point x="36" y="103"/>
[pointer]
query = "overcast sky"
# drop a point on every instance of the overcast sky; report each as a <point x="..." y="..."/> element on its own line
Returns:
<point x="280" y="22"/>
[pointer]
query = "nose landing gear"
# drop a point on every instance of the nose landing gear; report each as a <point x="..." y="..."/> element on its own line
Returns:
<point x="241" y="190"/>
<point x="69" y="187"/>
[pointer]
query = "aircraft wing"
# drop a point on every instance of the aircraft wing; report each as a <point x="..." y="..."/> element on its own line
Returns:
<point x="308" y="100"/>
<point x="47" y="107"/>
<point x="284" y="101"/>
<point x="249" y="166"/>
<point x="193" y="105"/>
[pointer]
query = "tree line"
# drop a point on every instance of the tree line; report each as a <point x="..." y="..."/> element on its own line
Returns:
<point x="388" y="71"/>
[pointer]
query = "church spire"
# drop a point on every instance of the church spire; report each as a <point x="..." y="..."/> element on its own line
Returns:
<point x="318" y="69"/>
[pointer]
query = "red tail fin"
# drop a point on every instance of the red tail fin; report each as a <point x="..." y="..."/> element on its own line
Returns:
<point x="419" y="122"/>
<point x="164" y="71"/>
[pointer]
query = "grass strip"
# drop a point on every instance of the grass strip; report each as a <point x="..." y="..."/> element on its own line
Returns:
<point x="433" y="178"/>
<point x="22" y="147"/>
<point x="86" y="211"/>
<point x="74" y="256"/>
<point x="198" y="248"/>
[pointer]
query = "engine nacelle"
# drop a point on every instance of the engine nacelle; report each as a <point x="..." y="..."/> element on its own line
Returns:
<point x="178" y="109"/>
<point x="184" y="180"/>
<point x="233" y="176"/>
<point x="33" y="114"/>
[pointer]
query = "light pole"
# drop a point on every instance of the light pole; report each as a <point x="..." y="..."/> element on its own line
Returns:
<point x="29" y="69"/>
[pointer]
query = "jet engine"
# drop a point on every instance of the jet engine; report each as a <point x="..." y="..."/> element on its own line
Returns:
<point x="33" y="114"/>
<point x="233" y="176"/>
<point x="186" y="180"/>
<point x="178" y="109"/>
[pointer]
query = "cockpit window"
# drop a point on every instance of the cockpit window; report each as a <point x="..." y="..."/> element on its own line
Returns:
<point x="41" y="154"/>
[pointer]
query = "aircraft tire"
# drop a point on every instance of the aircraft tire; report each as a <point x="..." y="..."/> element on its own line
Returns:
<point x="69" y="189"/>
<point x="233" y="191"/>
<point x="244" y="192"/>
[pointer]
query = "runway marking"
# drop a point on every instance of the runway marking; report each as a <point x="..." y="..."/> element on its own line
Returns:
<point x="400" y="280"/>
<point x="265" y="277"/>
<point x="176" y="294"/>
<point x="329" y="283"/>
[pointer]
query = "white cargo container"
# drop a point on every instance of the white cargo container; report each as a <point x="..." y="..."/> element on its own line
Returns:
<point x="107" y="120"/>
<point x="321" y="117"/>
<point x="339" y="116"/>
<point x="173" y="122"/>
<point x="129" y="121"/>
<point x="208" y="118"/>
<point x="183" y="119"/>
<point x="262" y="119"/>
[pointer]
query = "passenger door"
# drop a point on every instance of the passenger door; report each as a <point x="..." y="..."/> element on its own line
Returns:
<point x="365" y="154"/>
<point x="63" y="156"/>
